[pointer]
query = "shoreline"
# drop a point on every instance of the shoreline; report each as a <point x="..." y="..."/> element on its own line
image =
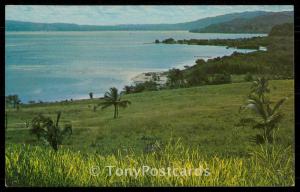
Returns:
<point x="141" y="76"/>
<point x="147" y="75"/>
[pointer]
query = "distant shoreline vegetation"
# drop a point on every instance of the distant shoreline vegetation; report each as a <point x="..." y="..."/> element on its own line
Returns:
<point x="276" y="62"/>
<point x="243" y="43"/>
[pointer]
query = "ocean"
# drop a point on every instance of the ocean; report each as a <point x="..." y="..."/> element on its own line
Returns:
<point x="54" y="66"/>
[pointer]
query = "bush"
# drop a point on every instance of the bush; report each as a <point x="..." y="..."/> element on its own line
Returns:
<point x="146" y="86"/>
<point x="221" y="78"/>
<point x="248" y="77"/>
<point x="170" y="40"/>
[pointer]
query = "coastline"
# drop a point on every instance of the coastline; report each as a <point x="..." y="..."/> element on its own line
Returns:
<point x="147" y="75"/>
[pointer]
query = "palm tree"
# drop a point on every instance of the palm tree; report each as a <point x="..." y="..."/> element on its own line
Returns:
<point x="113" y="98"/>
<point x="260" y="86"/>
<point x="49" y="130"/>
<point x="268" y="116"/>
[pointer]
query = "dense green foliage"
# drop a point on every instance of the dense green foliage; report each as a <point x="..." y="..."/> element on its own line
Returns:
<point x="277" y="62"/>
<point x="243" y="43"/>
<point x="248" y="77"/>
<point x="221" y="78"/>
<point x="175" y="78"/>
<point x="140" y="87"/>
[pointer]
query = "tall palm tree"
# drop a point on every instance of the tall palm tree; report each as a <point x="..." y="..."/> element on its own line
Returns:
<point x="113" y="98"/>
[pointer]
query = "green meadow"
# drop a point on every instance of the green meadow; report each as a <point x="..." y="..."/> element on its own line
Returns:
<point x="182" y="127"/>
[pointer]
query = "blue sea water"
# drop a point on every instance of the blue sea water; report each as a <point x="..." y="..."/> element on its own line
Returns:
<point x="52" y="66"/>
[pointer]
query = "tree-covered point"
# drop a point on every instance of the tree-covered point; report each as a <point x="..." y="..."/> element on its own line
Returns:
<point x="242" y="43"/>
<point x="277" y="61"/>
<point x="283" y="30"/>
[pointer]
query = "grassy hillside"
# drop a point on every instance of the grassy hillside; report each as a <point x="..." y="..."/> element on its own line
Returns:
<point x="204" y="117"/>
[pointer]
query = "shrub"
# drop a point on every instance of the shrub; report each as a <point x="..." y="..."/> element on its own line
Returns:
<point x="169" y="40"/>
<point x="221" y="78"/>
<point x="248" y="77"/>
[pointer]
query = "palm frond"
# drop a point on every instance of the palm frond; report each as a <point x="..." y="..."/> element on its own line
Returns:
<point x="124" y="103"/>
<point x="258" y="139"/>
<point x="107" y="95"/>
<point x="274" y="119"/>
<point x="259" y="125"/>
<point x="256" y="105"/>
<point x="67" y="131"/>
<point x="105" y="104"/>
<point x="278" y="104"/>
<point x="58" y="117"/>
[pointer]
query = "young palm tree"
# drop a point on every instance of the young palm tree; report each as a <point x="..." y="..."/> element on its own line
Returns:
<point x="268" y="117"/>
<point x="113" y="98"/>
<point x="260" y="87"/>
<point x="49" y="131"/>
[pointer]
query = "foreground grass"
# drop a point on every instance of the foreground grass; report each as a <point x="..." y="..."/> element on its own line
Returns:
<point x="39" y="166"/>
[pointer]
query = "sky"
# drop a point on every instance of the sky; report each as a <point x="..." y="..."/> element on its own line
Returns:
<point x="113" y="15"/>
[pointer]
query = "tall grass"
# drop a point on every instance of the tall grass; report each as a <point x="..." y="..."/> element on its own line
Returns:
<point x="39" y="166"/>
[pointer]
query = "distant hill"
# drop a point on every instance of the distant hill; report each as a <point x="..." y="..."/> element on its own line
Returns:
<point x="11" y="25"/>
<point x="258" y="24"/>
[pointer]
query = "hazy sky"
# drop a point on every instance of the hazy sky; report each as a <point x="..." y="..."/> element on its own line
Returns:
<point x="111" y="15"/>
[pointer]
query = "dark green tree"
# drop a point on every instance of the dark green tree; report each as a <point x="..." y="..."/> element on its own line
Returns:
<point x="175" y="78"/>
<point x="91" y="95"/>
<point x="13" y="100"/>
